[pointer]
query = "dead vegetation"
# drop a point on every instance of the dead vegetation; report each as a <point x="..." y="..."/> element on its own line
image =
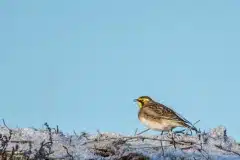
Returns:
<point x="112" y="146"/>
<point x="44" y="152"/>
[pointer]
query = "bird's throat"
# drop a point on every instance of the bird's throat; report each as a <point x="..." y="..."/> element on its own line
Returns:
<point x="140" y="105"/>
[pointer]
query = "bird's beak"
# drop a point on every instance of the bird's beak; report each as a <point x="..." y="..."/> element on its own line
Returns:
<point x="135" y="100"/>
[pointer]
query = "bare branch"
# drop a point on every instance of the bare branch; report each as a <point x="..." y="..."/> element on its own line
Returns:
<point x="69" y="155"/>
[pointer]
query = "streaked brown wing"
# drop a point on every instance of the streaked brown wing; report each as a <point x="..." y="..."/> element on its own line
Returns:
<point x="162" y="111"/>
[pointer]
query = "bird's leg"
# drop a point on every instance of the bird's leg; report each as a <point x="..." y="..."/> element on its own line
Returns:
<point x="162" y="133"/>
<point x="172" y="137"/>
<point x="169" y="134"/>
<point x="161" y="143"/>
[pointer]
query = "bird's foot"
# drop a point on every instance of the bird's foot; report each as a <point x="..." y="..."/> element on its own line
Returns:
<point x="170" y="134"/>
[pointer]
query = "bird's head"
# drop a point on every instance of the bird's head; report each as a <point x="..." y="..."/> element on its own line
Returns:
<point x="143" y="100"/>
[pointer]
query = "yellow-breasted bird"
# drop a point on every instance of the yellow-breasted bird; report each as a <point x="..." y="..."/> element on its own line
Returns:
<point x="157" y="116"/>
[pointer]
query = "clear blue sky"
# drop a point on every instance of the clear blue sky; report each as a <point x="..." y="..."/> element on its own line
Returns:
<point x="80" y="64"/>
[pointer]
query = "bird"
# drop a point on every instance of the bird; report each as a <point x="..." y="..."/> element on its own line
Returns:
<point x="157" y="116"/>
